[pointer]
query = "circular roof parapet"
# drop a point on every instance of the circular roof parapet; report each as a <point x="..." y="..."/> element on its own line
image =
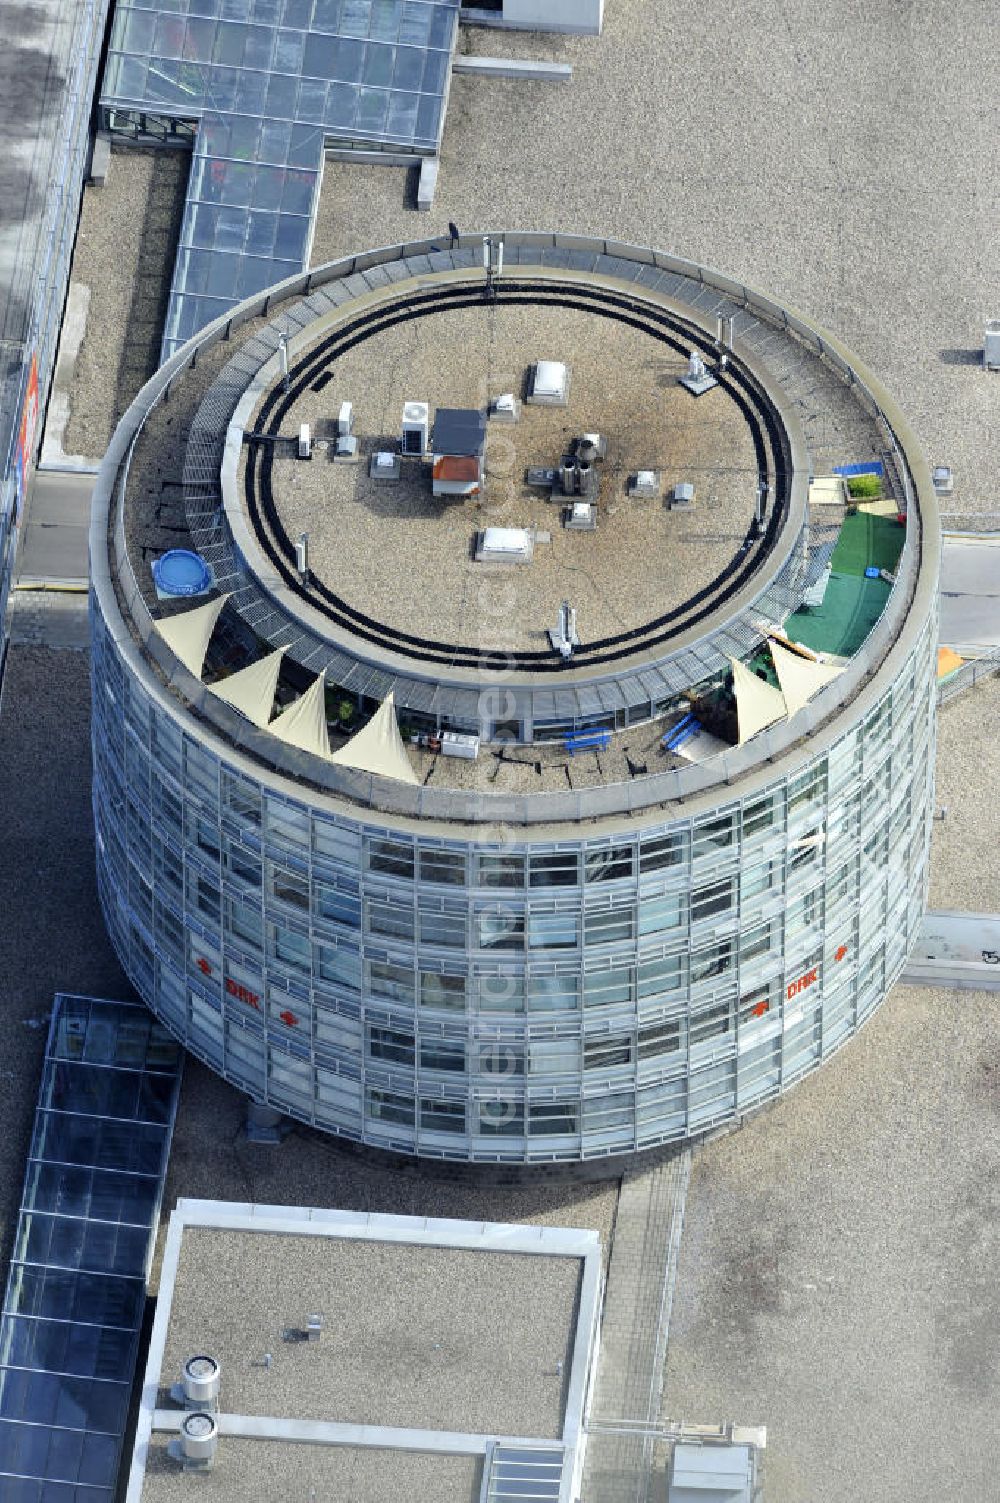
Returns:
<point x="785" y="376"/>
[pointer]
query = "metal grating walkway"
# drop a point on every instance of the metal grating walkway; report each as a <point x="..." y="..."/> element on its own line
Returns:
<point x="634" y="1332"/>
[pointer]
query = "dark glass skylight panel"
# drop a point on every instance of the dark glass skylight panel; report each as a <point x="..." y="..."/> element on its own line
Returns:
<point x="76" y="1291"/>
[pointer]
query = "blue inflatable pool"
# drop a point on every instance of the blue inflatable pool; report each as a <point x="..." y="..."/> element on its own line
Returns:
<point x="181" y="572"/>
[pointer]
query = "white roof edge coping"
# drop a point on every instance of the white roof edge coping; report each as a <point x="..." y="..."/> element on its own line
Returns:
<point x="547" y="1241"/>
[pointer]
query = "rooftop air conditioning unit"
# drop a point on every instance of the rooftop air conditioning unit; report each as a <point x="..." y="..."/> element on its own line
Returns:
<point x="416" y="428"/>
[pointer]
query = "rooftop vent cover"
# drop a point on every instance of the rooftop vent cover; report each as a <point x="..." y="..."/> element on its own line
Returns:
<point x="200" y="1382"/>
<point x="548" y="383"/>
<point x="506" y="545"/>
<point x="199" y="1438"/>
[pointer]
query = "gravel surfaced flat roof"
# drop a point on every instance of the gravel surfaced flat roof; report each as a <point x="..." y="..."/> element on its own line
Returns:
<point x="414" y="1336"/>
<point x="268" y="1469"/>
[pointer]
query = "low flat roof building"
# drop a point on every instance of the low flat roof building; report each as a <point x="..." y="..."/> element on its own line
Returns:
<point x="642" y="835"/>
<point x="359" y="1354"/>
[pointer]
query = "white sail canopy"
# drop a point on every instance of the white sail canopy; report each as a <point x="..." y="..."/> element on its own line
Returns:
<point x="303" y="724"/>
<point x="251" y="691"/>
<point x="379" y="747"/>
<point x="800" y="678"/>
<point x="190" y="633"/>
<point x="758" y="703"/>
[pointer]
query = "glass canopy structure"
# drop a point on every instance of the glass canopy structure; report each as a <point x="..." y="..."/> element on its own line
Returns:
<point x="76" y="1294"/>
<point x="263" y="86"/>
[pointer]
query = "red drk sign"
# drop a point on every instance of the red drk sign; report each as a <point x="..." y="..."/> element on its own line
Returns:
<point x="801" y="983"/>
<point x="234" y="988"/>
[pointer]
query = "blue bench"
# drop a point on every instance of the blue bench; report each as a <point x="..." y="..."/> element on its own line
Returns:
<point x="870" y="467"/>
<point x="587" y="741"/>
<point x="681" y="732"/>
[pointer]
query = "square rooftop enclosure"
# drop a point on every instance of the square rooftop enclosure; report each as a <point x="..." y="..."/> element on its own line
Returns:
<point x="447" y="1347"/>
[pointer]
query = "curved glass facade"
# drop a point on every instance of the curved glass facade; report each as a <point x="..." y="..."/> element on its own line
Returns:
<point x="510" y="992"/>
<point x="526" y="1001"/>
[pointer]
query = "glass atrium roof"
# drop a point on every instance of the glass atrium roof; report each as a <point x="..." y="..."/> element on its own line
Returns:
<point x="69" y="1332"/>
<point x="269" y="83"/>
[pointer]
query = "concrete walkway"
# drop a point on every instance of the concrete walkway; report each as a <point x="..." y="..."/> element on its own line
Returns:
<point x="634" y="1331"/>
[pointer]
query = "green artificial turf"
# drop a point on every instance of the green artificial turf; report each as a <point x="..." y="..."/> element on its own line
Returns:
<point x="850" y="608"/>
<point x="867" y="540"/>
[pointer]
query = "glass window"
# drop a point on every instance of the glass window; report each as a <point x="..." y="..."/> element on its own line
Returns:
<point x="241" y="864"/>
<point x="207" y="898"/>
<point x="761" y="814"/>
<point x="662" y="851"/>
<point x="443" y="866"/>
<point x="803" y="912"/>
<point x="390" y="856"/>
<point x="393" y="981"/>
<point x="385" y="1106"/>
<point x="500" y="871"/>
<point x="558" y="870"/>
<point x="809" y="787"/>
<point x="442" y="1116"/>
<point x="553" y="931"/>
<point x="716" y="898"/>
<point x="390" y="1045"/>
<point x="553" y="993"/>
<point x="339" y="905"/>
<point x="608" y="987"/>
<point x="291" y="947"/>
<point x="608" y="865"/>
<point x="659" y="913"/>
<point x="504" y="1119"/>
<point x="499" y="1057"/>
<point x="547" y="1118"/>
<point x="442" y="991"/>
<point x="246" y="924"/>
<point x="339" y="964"/>
<point x="501" y="929"/>
<point x="610" y="925"/>
<point x="660" y="974"/>
<point x="442" y="1054"/>
<point x="446" y="927"/>
<point x="806" y="850"/>
<point x="756" y="880"/>
<point x="710" y="1022"/>
<point x="607" y="1053"/>
<point x="391" y="919"/>
<point x="557" y="1056"/>
<point x="337" y="843"/>
<point x="501" y="993"/>
<point x="712" y="836"/>
<point x="756" y="942"/>
<point x="759" y="1003"/>
<point x="713" y="960"/>
<point x="288" y="886"/>
<point x="659" y="1038"/>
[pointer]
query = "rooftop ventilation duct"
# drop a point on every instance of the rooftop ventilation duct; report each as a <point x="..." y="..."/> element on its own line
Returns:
<point x="199" y="1439"/>
<point x="200" y="1383"/>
